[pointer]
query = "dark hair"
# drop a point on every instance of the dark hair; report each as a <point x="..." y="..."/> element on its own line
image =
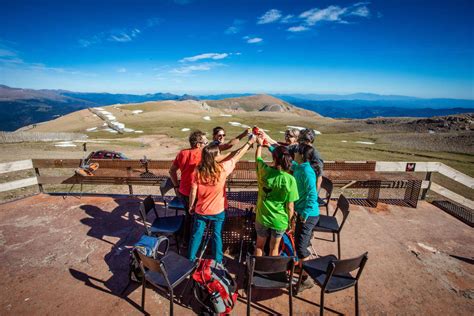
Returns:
<point x="195" y="138"/>
<point x="208" y="170"/>
<point x="216" y="130"/>
<point x="282" y="158"/>
<point x="306" y="151"/>
<point x="306" y="136"/>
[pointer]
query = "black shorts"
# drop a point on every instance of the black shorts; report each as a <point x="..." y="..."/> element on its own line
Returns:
<point x="303" y="234"/>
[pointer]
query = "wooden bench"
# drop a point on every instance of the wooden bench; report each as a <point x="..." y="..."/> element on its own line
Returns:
<point x="358" y="175"/>
<point x="110" y="172"/>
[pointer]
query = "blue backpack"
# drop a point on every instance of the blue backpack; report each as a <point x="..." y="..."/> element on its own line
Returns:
<point x="150" y="247"/>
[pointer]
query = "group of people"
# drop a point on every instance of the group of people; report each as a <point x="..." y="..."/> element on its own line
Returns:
<point x="287" y="187"/>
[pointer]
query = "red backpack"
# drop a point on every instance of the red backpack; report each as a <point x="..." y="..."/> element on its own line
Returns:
<point x="215" y="289"/>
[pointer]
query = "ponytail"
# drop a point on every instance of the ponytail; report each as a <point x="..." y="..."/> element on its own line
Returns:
<point x="282" y="158"/>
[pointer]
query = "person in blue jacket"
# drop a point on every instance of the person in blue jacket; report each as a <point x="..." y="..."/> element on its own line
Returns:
<point x="307" y="206"/>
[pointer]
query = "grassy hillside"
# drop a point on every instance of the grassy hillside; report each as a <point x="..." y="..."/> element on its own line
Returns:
<point x="165" y="126"/>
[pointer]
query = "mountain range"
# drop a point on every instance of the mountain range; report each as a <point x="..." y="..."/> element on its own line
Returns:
<point x="20" y="107"/>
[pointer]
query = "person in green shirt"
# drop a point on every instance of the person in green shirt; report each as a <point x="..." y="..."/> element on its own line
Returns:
<point x="277" y="192"/>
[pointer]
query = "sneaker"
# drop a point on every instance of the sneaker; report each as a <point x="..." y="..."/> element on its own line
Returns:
<point x="306" y="284"/>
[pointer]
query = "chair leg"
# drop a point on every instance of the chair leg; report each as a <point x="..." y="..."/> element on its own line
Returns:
<point x="171" y="302"/>
<point x="356" y="287"/>
<point x="249" y="297"/>
<point x="176" y="237"/>
<point x="143" y="293"/>
<point x="291" y="297"/>
<point x="321" y="304"/>
<point x="327" y="208"/>
<point x="338" y="246"/>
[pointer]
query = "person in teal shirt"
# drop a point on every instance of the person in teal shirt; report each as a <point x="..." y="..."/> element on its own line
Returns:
<point x="277" y="192"/>
<point x="307" y="206"/>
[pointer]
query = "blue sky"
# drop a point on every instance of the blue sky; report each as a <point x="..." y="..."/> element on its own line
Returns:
<point x="408" y="47"/>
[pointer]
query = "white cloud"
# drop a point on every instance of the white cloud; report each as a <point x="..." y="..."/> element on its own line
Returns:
<point x="215" y="56"/>
<point x="121" y="35"/>
<point x="192" y="68"/>
<point x="252" y="40"/>
<point x="9" y="56"/>
<point x="287" y="19"/>
<point x="7" y="53"/>
<point x="122" y="70"/>
<point x="235" y="28"/>
<point x="331" y="13"/>
<point x="270" y="16"/>
<point x="232" y="30"/>
<point x="299" y="28"/>
<point x="362" y="11"/>
<point x="335" y="13"/>
<point x="120" y="38"/>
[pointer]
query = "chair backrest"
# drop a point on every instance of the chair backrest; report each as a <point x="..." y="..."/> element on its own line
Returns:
<point x="147" y="205"/>
<point x="150" y="264"/>
<point x="341" y="267"/>
<point x="343" y="206"/>
<point x="165" y="186"/>
<point x="328" y="186"/>
<point x="271" y="264"/>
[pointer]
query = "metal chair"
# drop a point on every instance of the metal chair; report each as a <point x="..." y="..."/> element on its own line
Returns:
<point x="270" y="273"/>
<point x="329" y="224"/>
<point x="328" y="187"/>
<point x="169" y="225"/>
<point x="165" y="273"/>
<point x="176" y="203"/>
<point x="334" y="275"/>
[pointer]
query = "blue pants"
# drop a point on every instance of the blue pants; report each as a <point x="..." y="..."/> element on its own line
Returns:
<point x="303" y="235"/>
<point x="200" y="223"/>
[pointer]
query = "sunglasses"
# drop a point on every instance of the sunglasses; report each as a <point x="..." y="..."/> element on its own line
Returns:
<point x="220" y="135"/>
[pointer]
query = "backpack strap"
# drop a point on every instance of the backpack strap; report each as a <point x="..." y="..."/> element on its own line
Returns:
<point x="159" y="241"/>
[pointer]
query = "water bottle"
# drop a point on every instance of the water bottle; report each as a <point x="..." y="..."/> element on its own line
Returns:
<point x="218" y="302"/>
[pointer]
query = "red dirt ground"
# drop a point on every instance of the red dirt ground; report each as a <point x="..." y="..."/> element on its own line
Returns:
<point x="70" y="256"/>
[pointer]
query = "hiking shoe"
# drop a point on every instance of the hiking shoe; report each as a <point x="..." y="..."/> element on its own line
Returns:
<point x="306" y="284"/>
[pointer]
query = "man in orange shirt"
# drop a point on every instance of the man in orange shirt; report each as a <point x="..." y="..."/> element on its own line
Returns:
<point x="186" y="161"/>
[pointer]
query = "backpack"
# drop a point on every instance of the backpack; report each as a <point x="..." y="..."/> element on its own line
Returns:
<point x="149" y="246"/>
<point x="214" y="287"/>
<point x="287" y="245"/>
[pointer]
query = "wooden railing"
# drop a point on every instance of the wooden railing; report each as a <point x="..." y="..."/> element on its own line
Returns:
<point x="160" y="168"/>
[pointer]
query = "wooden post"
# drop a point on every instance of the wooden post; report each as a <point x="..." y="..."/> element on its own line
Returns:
<point x="40" y="186"/>
<point x="130" y="187"/>
<point x="425" y="191"/>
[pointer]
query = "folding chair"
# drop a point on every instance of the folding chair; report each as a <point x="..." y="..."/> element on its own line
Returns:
<point x="333" y="275"/>
<point x="169" y="225"/>
<point x="328" y="187"/>
<point x="165" y="273"/>
<point x="176" y="203"/>
<point x="270" y="273"/>
<point x="329" y="224"/>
